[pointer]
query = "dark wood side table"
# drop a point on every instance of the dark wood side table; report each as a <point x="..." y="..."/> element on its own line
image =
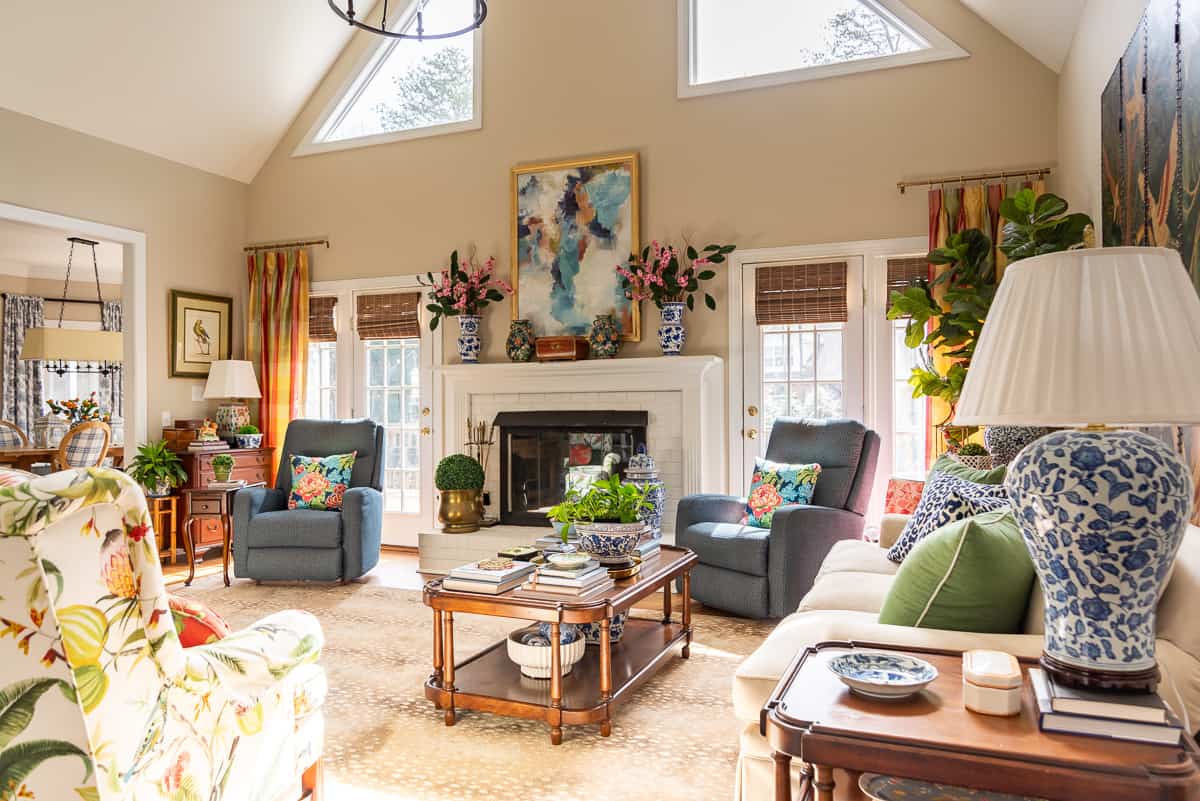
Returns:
<point x="212" y="509"/>
<point x="812" y="716"/>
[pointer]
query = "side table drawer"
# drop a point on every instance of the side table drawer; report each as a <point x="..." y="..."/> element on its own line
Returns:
<point x="205" y="506"/>
<point x="208" y="532"/>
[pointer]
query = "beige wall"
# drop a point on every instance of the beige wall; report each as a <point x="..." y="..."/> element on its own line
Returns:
<point x="1104" y="31"/>
<point x="804" y="163"/>
<point x="194" y="224"/>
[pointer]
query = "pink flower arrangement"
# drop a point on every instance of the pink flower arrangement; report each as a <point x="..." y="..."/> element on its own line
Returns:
<point x="662" y="275"/>
<point x="463" y="288"/>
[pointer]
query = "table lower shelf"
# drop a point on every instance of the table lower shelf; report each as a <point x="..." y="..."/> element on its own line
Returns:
<point x="491" y="682"/>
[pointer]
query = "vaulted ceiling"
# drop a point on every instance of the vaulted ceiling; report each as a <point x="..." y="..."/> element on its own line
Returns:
<point x="212" y="84"/>
<point x="1044" y="28"/>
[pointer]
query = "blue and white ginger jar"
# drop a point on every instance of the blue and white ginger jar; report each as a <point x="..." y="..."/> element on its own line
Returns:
<point x="672" y="334"/>
<point x="642" y="472"/>
<point x="469" y="341"/>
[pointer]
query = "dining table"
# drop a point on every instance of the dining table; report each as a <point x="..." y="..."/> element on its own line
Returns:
<point x="23" y="458"/>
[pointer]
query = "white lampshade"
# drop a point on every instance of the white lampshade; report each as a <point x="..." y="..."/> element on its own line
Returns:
<point x="231" y="378"/>
<point x="1106" y="336"/>
<point x="72" y="345"/>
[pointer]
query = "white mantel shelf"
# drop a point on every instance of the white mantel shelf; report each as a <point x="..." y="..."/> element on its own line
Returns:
<point x="558" y="386"/>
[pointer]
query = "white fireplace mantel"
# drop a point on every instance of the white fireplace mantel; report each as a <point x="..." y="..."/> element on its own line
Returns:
<point x="590" y="384"/>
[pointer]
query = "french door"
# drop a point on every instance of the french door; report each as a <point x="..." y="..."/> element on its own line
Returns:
<point x="384" y="372"/>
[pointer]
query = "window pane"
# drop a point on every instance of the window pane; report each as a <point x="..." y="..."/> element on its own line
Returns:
<point x="412" y="364"/>
<point x="802" y="400"/>
<point x="829" y="355"/>
<point x="375" y="401"/>
<point x="375" y="375"/>
<point x="395" y="406"/>
<point x="775" y="357"/>
<point x="775" y="404"/>
<point x="802" y="355"/>
<point x="829" y="400"/>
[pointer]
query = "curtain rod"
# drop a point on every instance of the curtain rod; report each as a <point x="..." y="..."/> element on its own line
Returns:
<point x="55" y="300"/>
<point x="278" y="245"/>
<point x="962" y="179"/>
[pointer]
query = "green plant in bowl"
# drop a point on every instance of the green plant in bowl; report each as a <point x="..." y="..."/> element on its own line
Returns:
<point x="248" y="429"/>
<point x="222" y="465"/>
<point x="972" y="449"/>
<point x="157" y="468"/>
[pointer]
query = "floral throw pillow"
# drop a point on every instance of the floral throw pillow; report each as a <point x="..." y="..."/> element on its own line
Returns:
<point x="319" y="482"/>
<point x="195" y="623"/>
<point x="776" y="484"/>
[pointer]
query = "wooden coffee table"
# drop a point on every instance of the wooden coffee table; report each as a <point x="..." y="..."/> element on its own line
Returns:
<point x="812" y="716"/>
<point x="608" y="674"/>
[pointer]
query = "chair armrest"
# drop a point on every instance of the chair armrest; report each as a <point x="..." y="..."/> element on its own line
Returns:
<point x="708" y="508"/>
<point x="246" y="504"/>
<point x="362" y="530"/>
<point x="252" y="661"/>
<point x="889" y="529"/>
<point x="801" y="537"/>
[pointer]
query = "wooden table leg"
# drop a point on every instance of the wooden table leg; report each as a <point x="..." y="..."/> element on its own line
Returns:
<point x="606" y="675"/>
<point x="555" y="685"/>
<point x="174" y="531"/>
<point x="666" y="603"/>
<point x="783" y="776"/>
<point x="312" y="782"/>
<point x="437" y="647"/>
<point x="823" y="782"/>
<point x="687" y="614"/>
<point x="189" y="548"/>
<point x="226" y="544"/>
<point x="448" y="663"/>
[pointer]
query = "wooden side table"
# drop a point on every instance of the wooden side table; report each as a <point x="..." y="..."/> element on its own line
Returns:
<point x="162" y="517"/>
<point x="932" y="737"/>
<point x="212" y="509"/>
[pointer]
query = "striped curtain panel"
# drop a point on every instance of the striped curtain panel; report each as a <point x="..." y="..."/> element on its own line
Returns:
<point x="277" y="337"/>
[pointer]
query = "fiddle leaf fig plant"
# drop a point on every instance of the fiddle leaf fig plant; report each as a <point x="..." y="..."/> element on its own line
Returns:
<point x="1038" y="225"/>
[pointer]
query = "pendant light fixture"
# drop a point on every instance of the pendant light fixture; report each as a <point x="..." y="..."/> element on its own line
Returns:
<point x="74" y="350"/>
<point x="345" y="10"/>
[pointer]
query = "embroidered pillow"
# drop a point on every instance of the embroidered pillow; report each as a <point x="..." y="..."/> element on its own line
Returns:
<point x="946" y="498"/>
<point x="775" y="484"/>
<point x="319" y="482"/>
<point x="195" y="623"/>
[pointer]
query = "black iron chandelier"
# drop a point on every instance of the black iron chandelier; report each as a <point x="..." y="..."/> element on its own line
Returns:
<point x="348" y="14"/>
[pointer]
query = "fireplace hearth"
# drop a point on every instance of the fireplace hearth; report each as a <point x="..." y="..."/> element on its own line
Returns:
<point x="545" y="453"/>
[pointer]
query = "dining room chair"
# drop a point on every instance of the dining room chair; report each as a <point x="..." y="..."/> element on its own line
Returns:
<point x="85" y="445"/>
<point x="11" y="435"/>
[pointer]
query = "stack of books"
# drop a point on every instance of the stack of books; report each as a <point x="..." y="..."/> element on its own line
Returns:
<point x="235" y="484"/>
<point x="552" y="543"/>
<point x="1138" y="717"/>
<point x="206" y="445"/>
<point x="647" y="548"/>
<point x="491" y="576"/>
<point x="586" y="580"/>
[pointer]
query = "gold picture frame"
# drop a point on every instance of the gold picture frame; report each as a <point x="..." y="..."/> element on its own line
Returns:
<point x="544" y="294"/>
<point x="196" y="320"/>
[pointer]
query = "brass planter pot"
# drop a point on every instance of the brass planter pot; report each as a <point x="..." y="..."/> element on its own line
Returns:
<point x="459" y="511"/>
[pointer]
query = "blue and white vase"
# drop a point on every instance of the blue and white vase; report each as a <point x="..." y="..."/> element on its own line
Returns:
<point x="642" y="472"/>
<point x="1103" y="514"/>
<point x="672" y="334"/>
<point x="616" y="629"/>
<point x="469" y="342"/>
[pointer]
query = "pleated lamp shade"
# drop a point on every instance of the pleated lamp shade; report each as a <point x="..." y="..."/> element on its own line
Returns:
<point x="1106" y="336"/>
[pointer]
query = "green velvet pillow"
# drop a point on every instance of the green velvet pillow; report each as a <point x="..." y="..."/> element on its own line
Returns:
<point x="973" y="574"/>
<point x="948" y="464"/>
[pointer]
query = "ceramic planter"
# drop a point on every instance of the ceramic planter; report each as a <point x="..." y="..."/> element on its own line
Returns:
<point x="975" y="462"/>
<point x="469" y="341"/>
<point x="616" y="628"/>
<point x="672" y="334"/>
<point x="519" y="344"/>
<point x="605" y="337"/>
<point x="249" y="440"/>
<point x="458" y="511"/>
<point x="530" y="649"/>
<point x="222" y="473"/>
<point x="160" y="490"/>
<point x="610" y="543"/>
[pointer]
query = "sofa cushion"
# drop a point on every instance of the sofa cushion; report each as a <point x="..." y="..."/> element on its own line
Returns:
<point x="295" y="528"/>
<point x="775" y="484"/>
<point x="319" y="482"/>
<point x="946" y="498"/>
<point x="730" y="545"/>
<point x="849" y="590"/>
<point x="856" y="556"/>
<point x="969" y="575"/>
<point x="949" y="465"/>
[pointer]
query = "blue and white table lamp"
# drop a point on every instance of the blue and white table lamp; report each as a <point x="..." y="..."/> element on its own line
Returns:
<point x="1093" y="340"/>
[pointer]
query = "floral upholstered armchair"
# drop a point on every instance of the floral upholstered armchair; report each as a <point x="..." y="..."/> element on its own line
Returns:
<point x="98" y="700"/>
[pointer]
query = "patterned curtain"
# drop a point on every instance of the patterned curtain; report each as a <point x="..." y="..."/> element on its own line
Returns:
<point x="277" y="337"/>
<point x="21" y="399"/>
<point x="112" y="387"/>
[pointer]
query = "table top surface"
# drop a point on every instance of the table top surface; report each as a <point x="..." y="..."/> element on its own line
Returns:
<point x="812" y="700"/>
<point x="35" y="451"/>
<point x="219" y="490"/>
<point x="671" y="561"/>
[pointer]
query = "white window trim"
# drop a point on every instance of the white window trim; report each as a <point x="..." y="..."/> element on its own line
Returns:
<point x="876" y="364"/>
<point x="940" y="48"/>
<point x="366" y="68"/>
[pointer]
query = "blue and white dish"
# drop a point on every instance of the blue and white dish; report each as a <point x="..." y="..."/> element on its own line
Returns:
<point x="883" y="675"/>
<point x="894" y="788"/>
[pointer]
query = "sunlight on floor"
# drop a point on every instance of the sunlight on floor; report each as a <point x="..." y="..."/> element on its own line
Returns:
<point x="339" y="791"/>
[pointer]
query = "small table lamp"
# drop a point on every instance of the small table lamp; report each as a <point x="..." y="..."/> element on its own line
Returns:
<point x="231" y="380"/>
<point x="1089" y="339"/>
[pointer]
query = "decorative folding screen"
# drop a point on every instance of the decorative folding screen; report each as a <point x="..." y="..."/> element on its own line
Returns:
<point x="392" y="315"/>
<point x="321" y="327"/>
<point x="791" y="294"/>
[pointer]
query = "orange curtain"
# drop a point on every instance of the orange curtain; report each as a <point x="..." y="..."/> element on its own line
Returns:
<point x="277" y="337"/>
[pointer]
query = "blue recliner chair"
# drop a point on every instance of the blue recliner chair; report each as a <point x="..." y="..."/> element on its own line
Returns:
<point x="272" y="542"/>
<point x="758" y="572"/>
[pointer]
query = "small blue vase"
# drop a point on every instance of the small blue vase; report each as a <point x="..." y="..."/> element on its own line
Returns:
<point x="469" y="342"/>
<point x="1103" y="514"/>
<point x="672" y="334"/>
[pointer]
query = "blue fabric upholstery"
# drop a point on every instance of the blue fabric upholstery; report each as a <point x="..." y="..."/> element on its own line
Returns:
<point x="767" y="575"/>
<point x="272" y="542"/>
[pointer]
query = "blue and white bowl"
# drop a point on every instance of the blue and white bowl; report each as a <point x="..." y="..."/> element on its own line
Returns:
<point x="883" y="675"/>
<point x="610" y="543"/>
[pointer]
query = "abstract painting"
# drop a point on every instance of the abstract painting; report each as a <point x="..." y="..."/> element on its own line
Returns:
<point x="201" y="332"/>
<point x="573" y="223"/>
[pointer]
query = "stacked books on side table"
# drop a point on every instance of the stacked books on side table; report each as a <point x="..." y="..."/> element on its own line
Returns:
<point x="489" y="576"/>
<point x="552" y="543"/>
<point x="649" y="547"/>
<point x="1139" y="717"/>
<point x="227" y="485"/>
<point x="207" y="445"/>
<point x="579" y="580"/>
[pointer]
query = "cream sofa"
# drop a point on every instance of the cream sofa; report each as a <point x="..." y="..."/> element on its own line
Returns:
<point x="844" y="604"/>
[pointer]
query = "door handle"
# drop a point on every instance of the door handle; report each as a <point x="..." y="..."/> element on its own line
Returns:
<point x="425" y="412"/>
<point x="752" y="411"/>
<point x="426" y="431"/>
<point x="751" y="433"/>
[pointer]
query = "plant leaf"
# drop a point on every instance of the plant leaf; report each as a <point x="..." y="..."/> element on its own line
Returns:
<point x="18" y="761"/>
<point x="17" y="701"/>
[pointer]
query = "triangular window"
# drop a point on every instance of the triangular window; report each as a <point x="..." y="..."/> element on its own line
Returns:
<point x="406" y="88"/>
<point x="755" y="43"/>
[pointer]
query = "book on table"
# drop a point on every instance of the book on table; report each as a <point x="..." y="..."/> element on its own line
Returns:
<point x="586" y="580"/>
<point x="563" y="591"/>
<point x="587" y="568"/>
<point x="1134" y="707"/>
<point x="241" y="482"/>
<point x="484" y="587"/>
<point x="473" y="571"/>
<point x="1165" y="733"/>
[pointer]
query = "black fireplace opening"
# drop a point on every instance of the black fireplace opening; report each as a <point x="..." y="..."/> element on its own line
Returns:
<point x="543" y="454"/>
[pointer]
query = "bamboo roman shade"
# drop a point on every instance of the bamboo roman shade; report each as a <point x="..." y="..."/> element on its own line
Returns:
<point x="321" y="325"/>
<point x="905" y="272"/>
<point x="792" y="294"/>
<point x="392" y="315"/>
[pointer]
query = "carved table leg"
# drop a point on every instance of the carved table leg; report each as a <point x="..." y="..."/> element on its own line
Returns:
<point x="783" y="776"/>
<point x="606" y="675"/>
<point x="823" y="783"/>
<point x="687" y="614"/>
<point x="437" y="649"/>
<point x="227" y="545"/>
<point x="555" y="685"/>
<point x="189" y="548"/>
<point x="448" y="663"/>
<point x="666" y="603"/>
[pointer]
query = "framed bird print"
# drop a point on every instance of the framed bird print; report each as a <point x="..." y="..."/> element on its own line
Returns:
<point x="201" y="332"/>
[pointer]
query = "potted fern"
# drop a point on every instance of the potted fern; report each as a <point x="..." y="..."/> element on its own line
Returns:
<point x="157" y="468"/>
